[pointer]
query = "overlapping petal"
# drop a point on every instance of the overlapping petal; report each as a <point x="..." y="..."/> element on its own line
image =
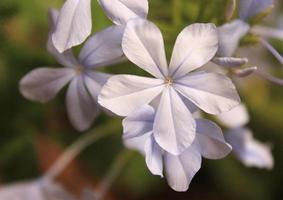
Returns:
<point x="229" y="37"/>
<point x="213" y="93"/>
<point x="143" y="45"/>
<point x="122" y="94"/>
<point x="153" y="157"/>
<point x="121" y="11"/>
<point x="180" y="170"/>
<point x="139" y="122"/>
<point x="82" y="108"/>
<point x="250" y="8"/>
<point x="43" y="84"/>
<point x="211" y="142"/>
<point x="174" y="126"/>
<point x="194" y="47"/>
<point x="66" y="58"/>
<point x="73" y="24"/>
<point x="235" y="118"/>
<point x="250" y="152"/>
<point x="104" y="48"/>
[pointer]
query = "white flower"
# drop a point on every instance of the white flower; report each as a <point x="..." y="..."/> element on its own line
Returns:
<point x="172" y="89"/>
<point x="249" y="151"/>
<point x="36" y="190"/>
<point x="74" y="22"/>
<point x="42" y="84"/>
<point x="209" y="143"/>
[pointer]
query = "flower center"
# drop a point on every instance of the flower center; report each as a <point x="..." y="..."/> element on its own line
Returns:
<point x="168" y="81"/>
<point x="79" y="69"/>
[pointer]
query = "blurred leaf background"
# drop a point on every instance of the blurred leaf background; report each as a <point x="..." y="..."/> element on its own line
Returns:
<point x="23" y="35"/>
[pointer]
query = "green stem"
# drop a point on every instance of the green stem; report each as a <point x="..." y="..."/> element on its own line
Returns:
<point x="77" y="147"/>
<point x="114" y="171"/>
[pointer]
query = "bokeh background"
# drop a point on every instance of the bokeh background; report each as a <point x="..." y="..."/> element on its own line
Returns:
<point x="32" y="135"/>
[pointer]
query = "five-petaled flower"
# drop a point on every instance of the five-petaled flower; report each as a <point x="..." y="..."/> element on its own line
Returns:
<point x="42" y="84"/>
<point x="174" y="89"/>
<point x="179" y="169"/>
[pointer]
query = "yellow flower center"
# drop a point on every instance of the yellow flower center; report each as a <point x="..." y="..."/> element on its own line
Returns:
<point x="79" y="69"/>
<point x="168" y="81"/>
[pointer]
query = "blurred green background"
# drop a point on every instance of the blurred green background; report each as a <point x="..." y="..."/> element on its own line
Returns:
<point x="23" y="35"/>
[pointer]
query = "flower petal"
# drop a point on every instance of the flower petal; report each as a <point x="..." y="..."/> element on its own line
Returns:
<point x="82" y="108"/>
<point x="143" y="45"/>
<point x="94" y="82"/>
<point x="229" y="62"/>
<point x="73" y="25"/>
<point x="104" y="48"/>
<point x="249" y="151"/>
<point x="67" y="58"/>
<point x="212" y="144"/>
<point x="153" y="157"/>
<point x="235" y="118"/>
<point x="250" y="8"/>
<point x="180" y="170"/>
<point x="174" y="127"/>
<point x="139" y="122"/>
<point x="229" y="37"/>
<point x="214" y="93"/>
<point x="121" y="11"/>
<point x="122" y="94"/>
<point x="194" y="47"/>
<point x="43" y="84"/>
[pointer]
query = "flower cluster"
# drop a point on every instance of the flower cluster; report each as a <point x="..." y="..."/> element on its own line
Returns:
<point x="161" y="111"/>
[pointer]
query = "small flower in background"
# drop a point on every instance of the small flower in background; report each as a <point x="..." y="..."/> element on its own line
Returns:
<point x="174" y="89"/>
<point x="41" y="189"/>
<point x="44" y="83"/>
<point x="179" y="169"/>
<point x="74" y="23"/>
<point x="249" y="151"/>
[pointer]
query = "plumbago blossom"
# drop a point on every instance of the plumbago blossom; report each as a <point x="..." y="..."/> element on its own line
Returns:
<point x="249" y="151"/>
<point x="174" y="89"/>
<point x="40" y="189"/>
<point x="179" y="169"/>
<point x="43" y="84"/>
<point x="102" y="49"/>
<point x="74" y="22"/>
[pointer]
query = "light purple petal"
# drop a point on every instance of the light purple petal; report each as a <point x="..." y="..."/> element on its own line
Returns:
<point x="43" y="84"/>
<point x="143" y="45"/>
<point x="230" y="35"/>
<point x="194" y="47"/>
<point x="122" y="94"/>
<point x="230" y="62"/>
<point x="249" y="151"/>
<point x="174" y="127"/>
<point x="82" y="108"/>
<point x="73" y="25"/>
<point x="153" y="157"/>
<point x="104" y="48"/>
<point x="67" y="58"/>
<point x="213" y="93"/>
<point x="121" y="11"/>
<point x="235" y="118"/>
<point x="94" y="82"/>
<point x="180" y="170"/>
<point x="211" y="142"/>
<point x="250" y="8"/>
<point x="139" y="122"/>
